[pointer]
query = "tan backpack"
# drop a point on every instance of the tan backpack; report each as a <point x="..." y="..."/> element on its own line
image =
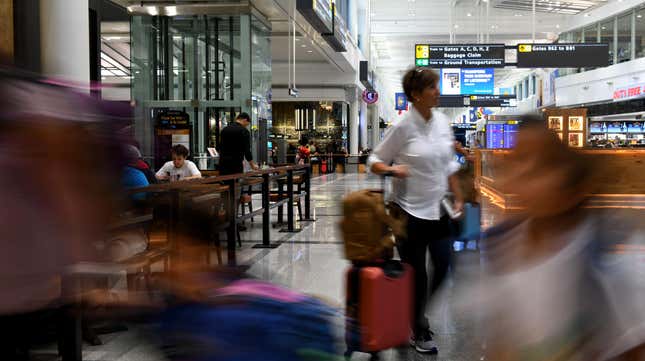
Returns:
<point x="367" y="227"/>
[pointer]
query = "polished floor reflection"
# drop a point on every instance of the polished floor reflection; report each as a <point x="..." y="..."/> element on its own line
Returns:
<point x="311" y="261"/>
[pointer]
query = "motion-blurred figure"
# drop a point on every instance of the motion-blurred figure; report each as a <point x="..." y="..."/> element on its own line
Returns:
<point x="554" y="289"/>
<point x="60" y="175"/>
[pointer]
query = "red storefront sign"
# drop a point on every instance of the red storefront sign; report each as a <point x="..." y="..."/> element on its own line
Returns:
<point x="625" y="93"/>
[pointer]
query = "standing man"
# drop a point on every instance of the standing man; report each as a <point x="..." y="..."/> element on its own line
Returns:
<point x="236" y="146"/>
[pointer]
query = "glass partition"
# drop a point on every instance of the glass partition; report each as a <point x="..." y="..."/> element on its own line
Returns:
<point x="640" y="33"/>
<point x="624" y="44"/>
<point x="591" y="34"/>
<point x="607" y="36"/>
<point x="210" y="66"/>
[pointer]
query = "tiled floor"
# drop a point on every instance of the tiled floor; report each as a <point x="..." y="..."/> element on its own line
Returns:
<point x="311" y="261"/>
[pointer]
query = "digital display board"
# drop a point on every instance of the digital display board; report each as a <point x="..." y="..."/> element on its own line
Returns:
<point x="460" y="55"/>
<point x="562" y="55"/>
<point x="477" y="101"/>
<point x="510" y="135"/>
<point x="495" y="136"/>
<point x="467" y="81"/>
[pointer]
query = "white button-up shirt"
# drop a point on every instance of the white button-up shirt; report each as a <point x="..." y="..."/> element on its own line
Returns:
<point x="427" y="148"/>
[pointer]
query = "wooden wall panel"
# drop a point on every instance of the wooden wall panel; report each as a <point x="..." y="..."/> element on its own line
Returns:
<point x="6" y="29"/>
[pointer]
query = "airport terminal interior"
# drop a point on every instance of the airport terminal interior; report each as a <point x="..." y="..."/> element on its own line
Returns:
<point x="209" y="180"/>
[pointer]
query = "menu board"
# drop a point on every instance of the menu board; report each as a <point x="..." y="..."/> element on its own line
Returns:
<point x="575" y="140"/>
<point x="635" y="127"/>
<point x="576" y="124"/>
<point x="597" y="127"/>
<point x="555" y="123"/>
<point x="616" y="127"/>
<point x="494" y="136"/>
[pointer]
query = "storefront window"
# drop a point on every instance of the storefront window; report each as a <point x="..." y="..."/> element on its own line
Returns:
<point x="591" y="34"/>
<point x="576" y="36"/>
<point x="607" y="36"/>
<point x="640" y="33"/>
<point x="624" y="45"/>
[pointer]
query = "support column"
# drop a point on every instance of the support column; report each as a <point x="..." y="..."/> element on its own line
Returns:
<point x="65" y="39"/>
<point x="353" y="126"/>
<point x="363" y="123"/>
<point x="375" y="126"/>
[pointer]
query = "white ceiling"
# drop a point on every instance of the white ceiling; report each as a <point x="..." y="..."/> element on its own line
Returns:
<point x="398" y="25"/>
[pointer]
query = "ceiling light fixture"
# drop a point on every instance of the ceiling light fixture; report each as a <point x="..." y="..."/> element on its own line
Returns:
<point x="469" y="14"/>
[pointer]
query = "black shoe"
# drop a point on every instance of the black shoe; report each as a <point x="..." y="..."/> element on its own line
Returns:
<point x="425" y="343"/>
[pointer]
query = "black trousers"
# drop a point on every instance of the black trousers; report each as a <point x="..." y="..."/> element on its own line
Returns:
<point x="422" y="235"/>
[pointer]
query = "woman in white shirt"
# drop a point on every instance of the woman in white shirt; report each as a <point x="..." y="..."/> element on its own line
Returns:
<point x="419" y="152"/>
<point x="179" y="168"/>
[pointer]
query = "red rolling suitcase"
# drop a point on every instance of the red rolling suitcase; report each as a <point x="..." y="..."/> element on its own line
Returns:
<point x="379" y="307"/>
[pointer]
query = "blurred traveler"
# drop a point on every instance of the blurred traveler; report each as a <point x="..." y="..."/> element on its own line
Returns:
<point x="419" y="152"/>
<point x="312" y="147"/>
<point x="179" y="168"/>
<point x="61" y="174"/>
<point x="341" y="158"/>
<point x="553" y="290"/>
<point x="235" y="146"/>
<point x="135" y="160"/>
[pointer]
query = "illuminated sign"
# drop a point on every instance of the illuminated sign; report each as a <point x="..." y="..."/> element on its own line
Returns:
<point x="467" y="81"/>
<point x="630" y="92"/>
<point x="173" y="119"/>
<point x="562" y="55"/>
<point x="489" y="101"/>
<point x="460" y="55"/>
<point x="370" y="97"/>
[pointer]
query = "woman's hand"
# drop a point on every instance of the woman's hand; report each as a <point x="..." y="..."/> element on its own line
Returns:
<point x="458" y="205"/>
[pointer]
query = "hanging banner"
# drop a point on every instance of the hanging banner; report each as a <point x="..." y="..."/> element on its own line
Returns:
<point x="400" y="101"/>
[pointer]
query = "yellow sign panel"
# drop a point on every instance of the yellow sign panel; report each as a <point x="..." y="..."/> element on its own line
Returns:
<point x="525" y="48"/>
<point x="423" y="52"/>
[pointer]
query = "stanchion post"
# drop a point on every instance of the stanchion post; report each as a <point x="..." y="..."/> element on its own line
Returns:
<point x="231" y="232"/>
<point x="290" y="215"/>
<point x="266" y="221"/>
<point x="308" y="195"/>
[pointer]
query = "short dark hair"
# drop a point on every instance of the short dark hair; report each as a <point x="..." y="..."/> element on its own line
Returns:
<point x="180" y="150"/>
<point x="244" y="116"/>
<point x="417" y="79"/>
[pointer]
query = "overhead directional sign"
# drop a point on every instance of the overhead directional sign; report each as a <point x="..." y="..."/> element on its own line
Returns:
<point x="562" y="55"/>
<point x="460" y="55"/>
<point x="488" y="101"/>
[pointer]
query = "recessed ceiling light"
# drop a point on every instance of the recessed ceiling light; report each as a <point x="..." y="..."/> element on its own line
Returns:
<point x="557" y="26"/>
<point x="469" y="14"/>
<point x="518" y="15"/>
<point x="639" y="16"/>
<point x="310" y="51"/>
<point x="304" y="45"/>
<point x="456" y="26"/>
<point x="297" y="39"/>
<point x="587" y="15"/>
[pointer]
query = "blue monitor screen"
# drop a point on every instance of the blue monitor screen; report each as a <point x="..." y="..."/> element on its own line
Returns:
<point x="270" y="145"/>
<point x="510" y="135"/>
<point x="495" y="136"/>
